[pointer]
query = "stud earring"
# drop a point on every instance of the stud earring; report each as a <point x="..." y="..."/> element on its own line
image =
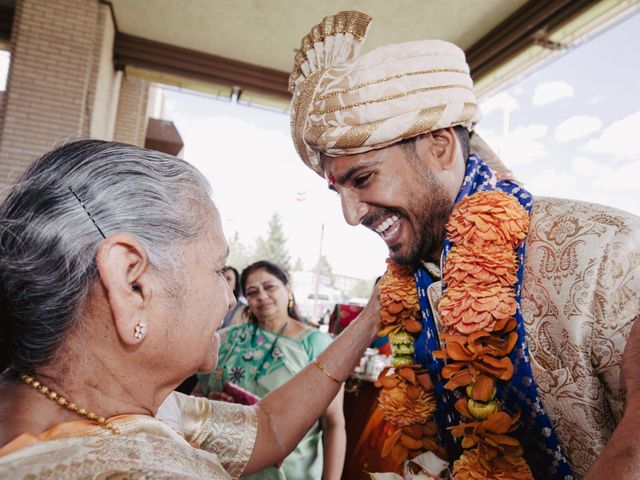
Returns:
<point x="140" y="329"/>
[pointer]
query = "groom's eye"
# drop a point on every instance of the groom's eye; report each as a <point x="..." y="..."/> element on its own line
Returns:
<point x="362" y="180"/>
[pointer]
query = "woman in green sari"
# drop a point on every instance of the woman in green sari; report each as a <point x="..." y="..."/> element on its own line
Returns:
<point x="264" y="353"/>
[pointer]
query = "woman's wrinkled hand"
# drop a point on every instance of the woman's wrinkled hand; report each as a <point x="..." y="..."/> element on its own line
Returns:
<point x="372" y="308"/>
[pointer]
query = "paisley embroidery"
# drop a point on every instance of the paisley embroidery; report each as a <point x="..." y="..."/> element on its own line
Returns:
<point x="581" y="292"/>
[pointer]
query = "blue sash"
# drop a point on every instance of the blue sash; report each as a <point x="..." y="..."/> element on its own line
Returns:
<point x="542" y="450"/>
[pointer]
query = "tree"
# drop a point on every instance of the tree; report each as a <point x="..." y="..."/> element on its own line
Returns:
<point x="274" y="247"/>
<point x="324" y="269"/>
<point x="239" y="255"/>
<point x="299" y="266"/>
<point x="362" y="289"/>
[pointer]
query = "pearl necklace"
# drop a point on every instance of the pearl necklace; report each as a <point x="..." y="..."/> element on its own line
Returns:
<point x="72" y="407"/>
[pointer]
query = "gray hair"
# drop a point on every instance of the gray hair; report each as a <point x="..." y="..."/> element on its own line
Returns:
<point x="48" y="242"/>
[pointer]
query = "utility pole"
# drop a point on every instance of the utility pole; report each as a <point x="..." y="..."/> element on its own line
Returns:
<point x="317" y="285"/>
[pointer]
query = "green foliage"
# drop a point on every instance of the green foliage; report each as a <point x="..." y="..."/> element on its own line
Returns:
<point x="239" y="254"/>
<point x="324" y="268"/>
<point x="274" y="246"/>
<point x="299" y="266"/>
<point x="362" y="289"/>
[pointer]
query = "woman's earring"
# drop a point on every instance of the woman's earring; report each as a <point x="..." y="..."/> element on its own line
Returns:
<point x="290" y="302"/>
<point x="140" y="329"/>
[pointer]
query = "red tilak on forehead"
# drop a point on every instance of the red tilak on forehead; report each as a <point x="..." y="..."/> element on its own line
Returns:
<point x="332" y="179"/>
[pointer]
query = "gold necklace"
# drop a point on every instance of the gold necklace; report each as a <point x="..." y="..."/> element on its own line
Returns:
<point x="72" y="407"/>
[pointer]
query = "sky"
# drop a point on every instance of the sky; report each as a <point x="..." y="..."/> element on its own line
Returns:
<point x="574" y="125"/>
<point x="569" y="129"/>
<point x="4" y="68"/>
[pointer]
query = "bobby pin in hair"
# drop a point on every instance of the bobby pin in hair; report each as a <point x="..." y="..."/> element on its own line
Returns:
<point x="88" y="213"/>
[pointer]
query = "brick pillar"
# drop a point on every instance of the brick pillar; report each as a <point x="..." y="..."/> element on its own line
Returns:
<point x="131" y="122"/>
<point x="57" y="76"/>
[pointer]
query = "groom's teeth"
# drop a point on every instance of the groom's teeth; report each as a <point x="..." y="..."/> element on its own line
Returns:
<point x="387" y="223"/>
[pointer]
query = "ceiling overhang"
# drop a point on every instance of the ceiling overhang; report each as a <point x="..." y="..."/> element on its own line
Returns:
<point x="532" y="25"/>
<point x="226" y="48"/>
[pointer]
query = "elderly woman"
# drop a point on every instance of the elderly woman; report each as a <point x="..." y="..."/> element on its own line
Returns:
<point x="111" y="291"/>
<point x="270" y="349"/>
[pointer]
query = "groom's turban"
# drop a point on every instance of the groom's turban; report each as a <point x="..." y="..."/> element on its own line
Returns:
<point x="345" y="104"/>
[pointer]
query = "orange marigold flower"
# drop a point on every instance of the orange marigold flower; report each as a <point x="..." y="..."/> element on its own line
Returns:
<point x="488" y="218"/>
<point x="399" y="303"/>
<point x="471" y="466"/>
<point x="492" y="264"/>
<point x="406" y="404"/>
<point x="466" y="309"/>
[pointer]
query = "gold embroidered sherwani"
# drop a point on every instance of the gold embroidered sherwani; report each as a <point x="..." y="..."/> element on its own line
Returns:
<point x="215" y="442"/>
<point x="581" y="293"/>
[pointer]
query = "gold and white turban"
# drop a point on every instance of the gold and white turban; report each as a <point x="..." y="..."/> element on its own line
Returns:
<point x="344" y="104"/>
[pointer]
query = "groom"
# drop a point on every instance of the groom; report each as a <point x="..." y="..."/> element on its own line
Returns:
<point x="392" y="133"/>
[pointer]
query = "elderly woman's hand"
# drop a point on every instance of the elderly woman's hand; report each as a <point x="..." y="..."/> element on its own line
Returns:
<point x="372" y="309"/>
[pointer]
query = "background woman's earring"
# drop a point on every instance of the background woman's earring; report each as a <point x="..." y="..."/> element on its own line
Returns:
<point x="140" y="330"/>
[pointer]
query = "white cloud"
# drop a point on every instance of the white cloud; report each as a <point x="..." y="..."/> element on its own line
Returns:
<point x="550" y="92"/>
<point x="596" y="99"/>
<point x="621" y="139"/>
<point x="578" y="126"/>
<point x="554" y="183"/>
<point x="502" y="102"/>
<point x="604" y="177"/>
<point x="586" y="167"/>
<point x="521" y="146"/>
<point x="591" y="181"/>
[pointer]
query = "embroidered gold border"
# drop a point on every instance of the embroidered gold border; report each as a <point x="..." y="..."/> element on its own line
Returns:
<point x="425" y="121"/>
<point x="391" y="77"/>
<point x="300" y="112"/>
<point x="468" y="112"/>
<point x="385" y="99"/>
<point x="312" y="134"/>
<point x="355" y="23"/>
<point x="356" y="136"/>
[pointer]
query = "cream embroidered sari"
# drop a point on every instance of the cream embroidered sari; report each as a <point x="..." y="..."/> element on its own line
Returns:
<point x="215" y="442"/>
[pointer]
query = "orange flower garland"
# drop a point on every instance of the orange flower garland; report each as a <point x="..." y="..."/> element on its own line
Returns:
<point x="399" y="306"/>
<point x="477" y="310"/>
<point x="406" y="399"/>
<point x="488" y="218"/>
